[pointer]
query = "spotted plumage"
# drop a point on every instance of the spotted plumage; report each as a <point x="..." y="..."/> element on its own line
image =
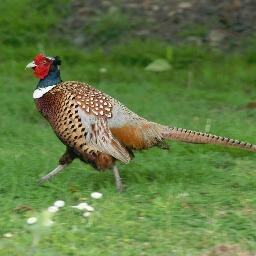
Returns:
<point x="98" y="129"/>
<point x="91" y="100"/>
<point x="61" y="108"/>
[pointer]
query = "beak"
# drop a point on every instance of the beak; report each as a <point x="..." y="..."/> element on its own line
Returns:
<point x="31" y="65"/>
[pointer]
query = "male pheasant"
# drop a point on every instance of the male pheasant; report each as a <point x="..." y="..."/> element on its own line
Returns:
<point x="98" y="129"/>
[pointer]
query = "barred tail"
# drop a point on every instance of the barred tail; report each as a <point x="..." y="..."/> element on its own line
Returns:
<point x="184" y="135"/>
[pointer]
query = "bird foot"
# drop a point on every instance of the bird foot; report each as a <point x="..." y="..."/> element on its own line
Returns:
<point x="42" y="180"/>
<point x="51" y="174"/>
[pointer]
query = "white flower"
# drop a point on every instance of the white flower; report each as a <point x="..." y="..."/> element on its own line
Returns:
<point x="89" y="208"/>
<point x="103" y="70"/>
<point x="81" y="206"/>
<point x="53" y="209"/>
<point x="7" y="235"/>
<point x="87" y="214"/>
<point x="59" y="203"/>
<point x="96" y="195"/>
<point x="32" y="220"/>
<point x="49" y="223"/>
<point x="183" y="194"/>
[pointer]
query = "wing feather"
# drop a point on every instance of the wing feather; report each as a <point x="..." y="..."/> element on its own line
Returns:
<point x="99" y="136"/>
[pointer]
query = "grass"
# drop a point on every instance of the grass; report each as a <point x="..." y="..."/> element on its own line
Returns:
<point x="182" y="202"/>
<point x="185" y="201"/>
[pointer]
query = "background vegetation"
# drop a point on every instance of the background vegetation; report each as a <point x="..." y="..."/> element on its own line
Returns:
<point x="191" y="200"/>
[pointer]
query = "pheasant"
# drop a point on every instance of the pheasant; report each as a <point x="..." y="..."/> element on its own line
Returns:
<point x="97" y="128"/>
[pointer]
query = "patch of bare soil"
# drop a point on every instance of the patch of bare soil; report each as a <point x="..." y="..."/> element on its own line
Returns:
<point x="228" y="250"/>
<point x="197" y="21"/>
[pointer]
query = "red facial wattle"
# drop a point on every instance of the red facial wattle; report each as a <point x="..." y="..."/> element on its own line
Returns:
<point x="41" y="71"/>
<point x="43" y="66"/>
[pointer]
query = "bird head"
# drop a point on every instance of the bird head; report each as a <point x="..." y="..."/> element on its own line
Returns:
<point x="42" y="65"/>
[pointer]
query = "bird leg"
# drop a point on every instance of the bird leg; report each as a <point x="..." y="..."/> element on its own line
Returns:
<point x="64" y="161"/>
<point x="51" y="174"/>
<point x="118" y="180"/>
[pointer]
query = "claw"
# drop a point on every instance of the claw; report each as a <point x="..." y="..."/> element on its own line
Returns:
<point x="51" y="174"/>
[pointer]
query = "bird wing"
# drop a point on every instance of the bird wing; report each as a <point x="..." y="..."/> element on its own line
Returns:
<point x="94" y="108"/>
<point x="99" y="136"/>
<point x="103" y="114"/>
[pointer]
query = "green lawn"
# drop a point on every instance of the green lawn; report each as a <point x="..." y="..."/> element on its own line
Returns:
<point x="185" y="201"/>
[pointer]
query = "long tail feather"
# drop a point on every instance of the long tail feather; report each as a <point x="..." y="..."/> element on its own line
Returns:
<point x="180" y="134"/>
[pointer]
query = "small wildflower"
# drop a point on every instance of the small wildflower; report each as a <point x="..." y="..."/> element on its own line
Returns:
<point x="81" y="206"/>
<point x="49" y="223"/>
<point x="31" y="220"/>
<point x="87" y="214"/>
<point x="59" y="203"/>
<point x="183" y="194"/>
<point x="89" y="208"/>
<point x="103" y="70"/>
<point x="96" y="195"/>
<point x="8" y="235"/>
<point x="53" y="209"/>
